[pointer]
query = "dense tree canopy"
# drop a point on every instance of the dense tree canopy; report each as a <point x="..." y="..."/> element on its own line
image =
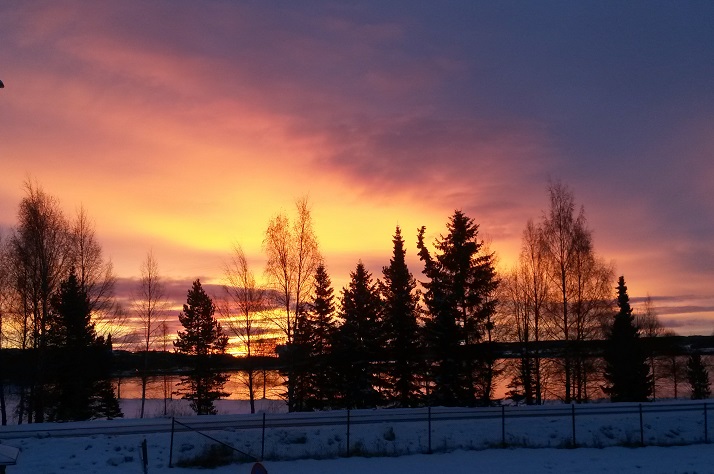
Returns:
<point x="460" y="299"/>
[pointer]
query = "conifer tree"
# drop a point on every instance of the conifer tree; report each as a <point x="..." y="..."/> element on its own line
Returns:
<point x="104" y="403"/>
<point x="80" y="362"/>
<point x="322" y="329"/>
<point x="400" y="332"/>
<point x="698" y="377"/>
<point x="626" y="371"/>
<point x="459" y="296"/>
<point x="71" y="333"/>
<point x="203" y="334"/>
<point x="202" y="337"/>
<point x="70" y="318"/>
<point x="314" y="334"/>
<point x="357" y="340"/>
<point x="322" y="312"/>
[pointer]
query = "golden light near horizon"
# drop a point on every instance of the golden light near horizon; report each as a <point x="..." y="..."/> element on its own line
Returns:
<point x="187" y="139"/>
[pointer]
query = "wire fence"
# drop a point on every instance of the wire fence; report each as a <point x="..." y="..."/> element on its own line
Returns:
<point x="439" y="429"/>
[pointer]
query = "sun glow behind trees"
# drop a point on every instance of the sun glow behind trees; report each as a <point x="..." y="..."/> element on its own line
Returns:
<point x="259" y="324"/>
<point x="121" y="319"/>
<point x="386" y="106"/>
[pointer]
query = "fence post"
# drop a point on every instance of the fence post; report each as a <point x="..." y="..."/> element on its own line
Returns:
<point x="642" y="428"/>
<point x="262" y="440"/>
<point x="503" y="425"/>
<point x="144" y="456"/>
<point x="171" y="445"/>
<point x="572" y="417"/>
<point x="706" y="424"/>
<point x="429" y="423"/>
<point x="348" y="433"/>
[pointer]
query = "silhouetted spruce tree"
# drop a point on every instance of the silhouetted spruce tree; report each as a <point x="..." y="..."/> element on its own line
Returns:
<point x="626" y="367"/>
<point x="403" y="360"/>
<point x="459" y="297"/>
<point x="81" y="361"/>
<point x="698" y="377"/>
<point x="319" y="333"/>
<point x="313" y="372"/>
<point x="70" y="334"/>
<point x="203" y="336"/>
<point x="104" y="403"/>
<point x="71" y="324"/>
<point x="356" y="342"/>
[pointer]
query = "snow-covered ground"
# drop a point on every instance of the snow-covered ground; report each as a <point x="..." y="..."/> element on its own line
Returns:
<point x="460" y="446"/>
<point x="121" y="455"/>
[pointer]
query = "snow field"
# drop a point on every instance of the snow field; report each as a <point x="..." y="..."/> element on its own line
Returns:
<point x="395" y="442"/>
<point x="120" y="454"/>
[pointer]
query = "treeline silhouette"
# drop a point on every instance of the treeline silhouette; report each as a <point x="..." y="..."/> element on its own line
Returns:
<point x="396" y="342"/>
<point x="388" y="341"/>
<point x="371" y="350"/>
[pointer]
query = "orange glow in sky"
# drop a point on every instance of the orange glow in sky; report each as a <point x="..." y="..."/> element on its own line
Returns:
<point x="183" y="127"/>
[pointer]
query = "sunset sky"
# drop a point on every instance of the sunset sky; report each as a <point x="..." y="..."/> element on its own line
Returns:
<point x="184" y="126"/>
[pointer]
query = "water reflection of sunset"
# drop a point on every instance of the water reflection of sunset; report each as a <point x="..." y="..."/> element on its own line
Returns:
<point x="158" y="386"/>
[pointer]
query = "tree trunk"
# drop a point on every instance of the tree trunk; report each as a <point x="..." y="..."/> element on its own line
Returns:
<point x="3" y="408"/>
<point x="251" y="388"/>
<point x="143" y="394"/>
<point x="21" y="406"/>
<point x="265" y="382"/>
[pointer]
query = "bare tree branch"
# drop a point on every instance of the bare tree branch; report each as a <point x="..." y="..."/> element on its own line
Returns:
<point x="293" y="255"/>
